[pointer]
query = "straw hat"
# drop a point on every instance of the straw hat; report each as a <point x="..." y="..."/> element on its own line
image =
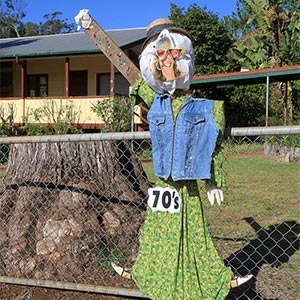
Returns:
<point x="158" y="25"/>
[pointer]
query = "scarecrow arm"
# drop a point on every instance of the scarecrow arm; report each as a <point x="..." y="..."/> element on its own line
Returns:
<point x="108" y="47"/>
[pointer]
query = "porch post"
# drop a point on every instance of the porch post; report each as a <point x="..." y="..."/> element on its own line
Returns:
<point x="112" y="80"/>
<point x="23" y="75"/>
<point x="267" y="101"/>
<point x="67" y="68"/>
<point x="23" y="78"/>
<point x="23" y="83"/>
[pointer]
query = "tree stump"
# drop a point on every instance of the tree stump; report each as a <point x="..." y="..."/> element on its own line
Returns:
<point x="61" y="204"/>
<point x="284" y="153"/>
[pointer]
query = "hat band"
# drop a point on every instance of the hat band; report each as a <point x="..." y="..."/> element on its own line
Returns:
<point x="158" y="28"/>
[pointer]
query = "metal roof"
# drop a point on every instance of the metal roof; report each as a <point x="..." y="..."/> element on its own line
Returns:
<point x="247" y="77"/>
<point x="65" y="44"/>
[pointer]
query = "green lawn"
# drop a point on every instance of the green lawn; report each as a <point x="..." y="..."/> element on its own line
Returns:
<point x="258" y="187"/>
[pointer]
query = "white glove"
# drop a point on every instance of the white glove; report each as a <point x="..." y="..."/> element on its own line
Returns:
<point x="213" y="193"/>
<point x="83" y="19"/>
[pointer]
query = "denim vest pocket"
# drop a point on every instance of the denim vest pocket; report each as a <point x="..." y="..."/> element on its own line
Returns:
<point x="194" y="123"/>
<point x="156" y="119"/>
<point x="161" y="143"/>
<point x="195" y="118"/>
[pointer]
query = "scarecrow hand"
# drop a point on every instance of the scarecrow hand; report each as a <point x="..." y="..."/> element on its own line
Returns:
<point x="214" y="193"/>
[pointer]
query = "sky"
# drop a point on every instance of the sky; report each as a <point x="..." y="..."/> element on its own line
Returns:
<point x="117" y="14"/>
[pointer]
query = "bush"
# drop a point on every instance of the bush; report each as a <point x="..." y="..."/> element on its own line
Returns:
<point x="115" y="112"/>
<point x="52" y="118"/>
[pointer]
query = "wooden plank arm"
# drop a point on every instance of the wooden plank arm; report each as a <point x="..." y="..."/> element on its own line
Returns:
<point x="112" y="51"/>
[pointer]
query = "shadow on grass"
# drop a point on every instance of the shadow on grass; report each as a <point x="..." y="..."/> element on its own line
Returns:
<point x="274" y="247"/>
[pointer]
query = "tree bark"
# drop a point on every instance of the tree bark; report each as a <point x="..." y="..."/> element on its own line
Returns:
<point x="62" y="204"/>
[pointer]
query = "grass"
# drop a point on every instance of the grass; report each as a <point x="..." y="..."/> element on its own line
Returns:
<point x="106" y="256"/>
<point x="263" y="189"/>
<point x="258" y="187"/>
<point x="234" y="148"/>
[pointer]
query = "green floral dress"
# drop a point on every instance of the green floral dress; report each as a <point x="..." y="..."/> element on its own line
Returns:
<point x="177" y="258"/>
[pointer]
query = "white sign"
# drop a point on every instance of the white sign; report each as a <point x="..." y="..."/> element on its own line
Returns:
<point x="164" y="199"/>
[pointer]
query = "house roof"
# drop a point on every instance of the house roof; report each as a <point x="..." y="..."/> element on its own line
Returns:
<point x="65" y="44"/>
<point x="247" y="77"/>
<point x="79" y="44"/>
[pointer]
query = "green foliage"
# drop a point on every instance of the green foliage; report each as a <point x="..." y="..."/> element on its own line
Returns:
<point x="267" y="33"/>
<point x="212" y="39"/>
<point x="253" y="38"/>
<point x="145" y="153"/>
<point x="232" y="148"/>
<point x="290" y="141"/>
<point x="289" y="43"/>
<point x="54" y="24"/>
<point x="31" y="29"/>
<point x="7" y="127"/>
<point x="246" y="107"/>
<point x="115" y="112"/>
<point x="37" y="129"/>
<point x="107" y="256"/>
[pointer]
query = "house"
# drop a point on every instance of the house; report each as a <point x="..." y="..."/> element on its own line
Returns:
<point x="70" y="68"/>
<point x="63" y="68"/>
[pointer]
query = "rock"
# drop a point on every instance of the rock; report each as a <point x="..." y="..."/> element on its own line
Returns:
<point x="45" y="246"/>
<point x="26" y="266"/>
<point x="284" y="153"/>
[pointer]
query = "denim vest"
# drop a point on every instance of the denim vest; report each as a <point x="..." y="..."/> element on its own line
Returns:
<point x="182" y="147"/>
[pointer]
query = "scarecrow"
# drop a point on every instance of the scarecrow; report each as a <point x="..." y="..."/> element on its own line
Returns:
<point x="177" y="257"/>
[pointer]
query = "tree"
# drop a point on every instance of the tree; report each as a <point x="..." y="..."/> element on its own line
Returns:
<point x="267" y="35"/>
<point x="212" y="39"/>
<point x="246" y="106"/>
<point x="54" y="24"/>
<point x="289" y="43"/>
<point x="265" y="31"/>
<point x="31" y="29"/>
<point x="11" y="15"/>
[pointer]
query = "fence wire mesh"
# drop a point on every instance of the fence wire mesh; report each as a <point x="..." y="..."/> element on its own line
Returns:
<point x="71" y="208"/>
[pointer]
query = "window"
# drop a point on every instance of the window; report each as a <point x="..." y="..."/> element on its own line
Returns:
<point x="78" y="83"/>
<point x="6" y="79"/>
<point x="103" y="84"/>
<point x="37" y="85"/>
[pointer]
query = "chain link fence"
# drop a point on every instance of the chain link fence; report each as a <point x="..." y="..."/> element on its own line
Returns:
<point x="71" y="205"/>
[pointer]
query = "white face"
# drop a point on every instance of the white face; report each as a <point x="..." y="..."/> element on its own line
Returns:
<point x="167" y="63"/>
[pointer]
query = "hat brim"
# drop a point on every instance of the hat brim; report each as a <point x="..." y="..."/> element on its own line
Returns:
<point x="154" y="34"/>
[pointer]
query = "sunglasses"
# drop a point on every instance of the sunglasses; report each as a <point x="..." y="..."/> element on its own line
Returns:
<point x="163" y="53"/>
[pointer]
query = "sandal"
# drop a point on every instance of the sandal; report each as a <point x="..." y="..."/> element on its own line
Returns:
<point x="237" y="280"/>
<point x="121" y="271"/>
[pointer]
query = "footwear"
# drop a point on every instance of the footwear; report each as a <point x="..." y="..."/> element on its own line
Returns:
<point x="237" y="280"/>
<point x="121" y="271"/>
